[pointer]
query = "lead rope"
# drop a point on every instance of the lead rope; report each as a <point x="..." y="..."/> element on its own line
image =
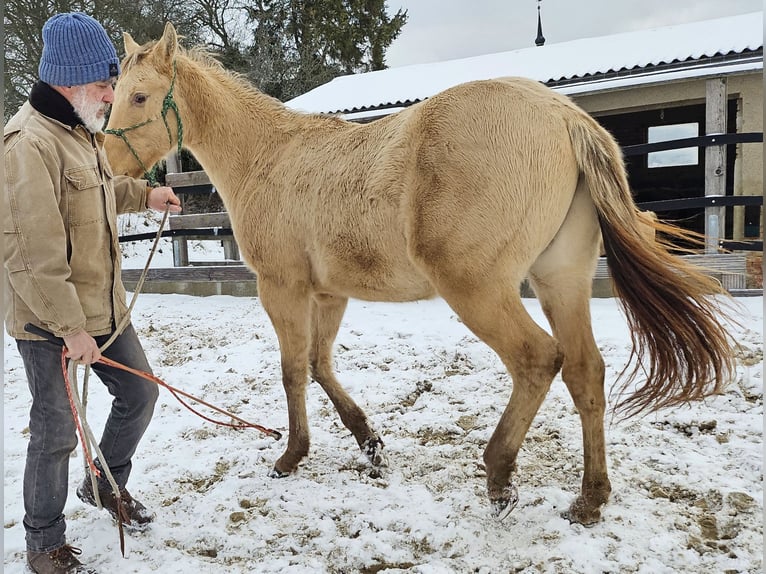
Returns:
<point x="80" y="406"/>
<point x="87" y="436"/>
<point x="168" y="103"/>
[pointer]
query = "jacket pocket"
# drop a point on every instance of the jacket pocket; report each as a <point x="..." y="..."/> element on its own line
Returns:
<point x="85" y="199"/>
<point x="92" y="270"/>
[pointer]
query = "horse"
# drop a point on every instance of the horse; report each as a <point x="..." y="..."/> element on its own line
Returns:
<point x="461" y="196"/>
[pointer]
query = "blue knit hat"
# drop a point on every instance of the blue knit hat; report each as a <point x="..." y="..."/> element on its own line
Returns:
<point x="76" y="51"/>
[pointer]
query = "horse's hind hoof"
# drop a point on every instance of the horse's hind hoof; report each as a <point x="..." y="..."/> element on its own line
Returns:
<point x="372" y="448"/>
<point x="503" y="506"/>
<point x="276" y="473"/>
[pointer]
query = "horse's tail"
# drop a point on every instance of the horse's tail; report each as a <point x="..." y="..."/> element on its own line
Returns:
<point x="676" y="330"/>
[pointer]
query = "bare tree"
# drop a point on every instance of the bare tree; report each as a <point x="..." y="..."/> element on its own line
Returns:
<point x="23" y="22"/>
<point x="286" y="47"/>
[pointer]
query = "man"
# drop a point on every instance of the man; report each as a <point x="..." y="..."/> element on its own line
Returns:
<point x="62" y="273"/>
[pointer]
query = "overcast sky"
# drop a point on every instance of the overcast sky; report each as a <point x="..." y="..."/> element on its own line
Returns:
<point x="439" y="30"/>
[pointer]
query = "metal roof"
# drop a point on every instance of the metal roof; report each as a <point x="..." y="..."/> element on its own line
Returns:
<point x="724" y="45"/>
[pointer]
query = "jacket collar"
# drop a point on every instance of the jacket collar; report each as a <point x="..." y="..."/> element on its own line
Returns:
<point x="52" y="104"/>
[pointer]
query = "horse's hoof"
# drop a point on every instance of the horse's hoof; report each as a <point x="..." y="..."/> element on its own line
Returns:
<point x="503" y="506"/>
<point x="581" y="513"/>
<point x="372" y="448"/>
<point x="276" y="473"/>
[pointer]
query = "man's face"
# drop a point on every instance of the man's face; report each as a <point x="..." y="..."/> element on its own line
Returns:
<point x="91" y="102"/>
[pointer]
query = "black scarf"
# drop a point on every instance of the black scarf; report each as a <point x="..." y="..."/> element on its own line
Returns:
<point x="52" y="104"/>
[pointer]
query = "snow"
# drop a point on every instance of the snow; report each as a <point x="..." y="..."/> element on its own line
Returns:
<point x="687" y="482"/>
<point x="582" y="58"/>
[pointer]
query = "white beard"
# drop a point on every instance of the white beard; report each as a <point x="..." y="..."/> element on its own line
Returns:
<point x="92" y="114"/>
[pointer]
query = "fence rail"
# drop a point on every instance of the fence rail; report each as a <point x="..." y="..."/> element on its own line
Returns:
<point x="729" y="267"/>
<point x="699" y="141"/>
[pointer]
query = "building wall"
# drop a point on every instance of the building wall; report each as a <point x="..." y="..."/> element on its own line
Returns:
<point x="746" y="88"/>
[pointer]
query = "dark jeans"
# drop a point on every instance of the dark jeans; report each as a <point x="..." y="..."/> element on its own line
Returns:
<point x="53" y="436"/>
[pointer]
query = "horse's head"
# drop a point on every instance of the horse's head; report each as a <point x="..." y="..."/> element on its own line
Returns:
<point x="144" y="124"/>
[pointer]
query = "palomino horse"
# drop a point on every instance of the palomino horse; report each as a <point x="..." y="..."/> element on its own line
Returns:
<point x="460" y="196"/>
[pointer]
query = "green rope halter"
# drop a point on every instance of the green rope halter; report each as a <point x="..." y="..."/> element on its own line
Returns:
<point x="168" y="103"/>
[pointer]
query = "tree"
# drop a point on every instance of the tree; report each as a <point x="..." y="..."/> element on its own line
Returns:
<point x="300" y="44"/>
<point x="285" y="47"/>
<point x="355" y="33"/>
<point x="23" y="23"/>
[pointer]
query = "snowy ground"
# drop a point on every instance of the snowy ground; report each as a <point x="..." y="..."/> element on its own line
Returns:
<point x="687" y="483"/>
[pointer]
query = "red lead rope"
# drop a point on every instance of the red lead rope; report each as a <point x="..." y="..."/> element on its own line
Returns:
<point x="240" y="424"/>
<point x="68" y="386"/>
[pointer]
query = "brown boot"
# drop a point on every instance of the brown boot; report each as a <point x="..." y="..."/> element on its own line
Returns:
<point x="63" y="560"/>
<point x="133" y="514"/>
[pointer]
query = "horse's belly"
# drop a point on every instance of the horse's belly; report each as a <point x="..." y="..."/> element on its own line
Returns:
<point x="378" y="280"/>
<point x="392" y="293"/>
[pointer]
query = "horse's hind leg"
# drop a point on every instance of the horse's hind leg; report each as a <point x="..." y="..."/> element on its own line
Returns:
<point x="327" y="313"/>
<point x="493" y="310"/>
<point x="566" y="306"/>
<point x="562" y="278"/>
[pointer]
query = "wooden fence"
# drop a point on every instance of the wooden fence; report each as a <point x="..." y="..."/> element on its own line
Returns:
<point x="730" y="268"/>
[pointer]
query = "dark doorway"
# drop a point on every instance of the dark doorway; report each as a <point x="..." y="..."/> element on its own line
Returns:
<point x="657" y="177"/>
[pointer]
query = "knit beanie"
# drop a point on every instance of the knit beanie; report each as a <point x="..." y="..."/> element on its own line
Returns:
<point x="76" y="51"/>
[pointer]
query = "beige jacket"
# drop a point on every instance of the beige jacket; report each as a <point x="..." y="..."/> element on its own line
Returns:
<point x="60" y="206"/>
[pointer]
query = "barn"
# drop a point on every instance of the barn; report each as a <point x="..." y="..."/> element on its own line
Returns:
<point x="700" y="81"/>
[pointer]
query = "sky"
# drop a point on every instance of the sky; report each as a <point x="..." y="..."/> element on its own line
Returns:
<point x="439" y="30"/>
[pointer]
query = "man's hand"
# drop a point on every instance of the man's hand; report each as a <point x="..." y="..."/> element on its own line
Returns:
<point x="159" y="198"/>
<point x="82" y="347"/>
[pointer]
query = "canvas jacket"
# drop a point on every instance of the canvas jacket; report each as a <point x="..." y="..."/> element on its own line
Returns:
<point x="60" y="205"/>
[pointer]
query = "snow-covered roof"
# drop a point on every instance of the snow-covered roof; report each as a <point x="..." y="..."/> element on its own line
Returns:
<point x="711" y="47"/>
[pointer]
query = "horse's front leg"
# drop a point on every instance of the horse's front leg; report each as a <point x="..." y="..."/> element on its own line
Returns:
<point x="326" y="315"/>
<point x="288" y="308"/>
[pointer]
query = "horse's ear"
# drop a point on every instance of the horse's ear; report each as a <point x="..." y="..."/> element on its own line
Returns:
<point x="130" y="44"/>
<point x="168" y="43"/>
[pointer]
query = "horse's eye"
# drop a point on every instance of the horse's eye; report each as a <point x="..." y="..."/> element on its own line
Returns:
<point x="139" y="99"/>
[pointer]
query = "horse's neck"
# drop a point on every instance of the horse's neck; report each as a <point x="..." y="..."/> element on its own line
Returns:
<point x="233" y="131"/>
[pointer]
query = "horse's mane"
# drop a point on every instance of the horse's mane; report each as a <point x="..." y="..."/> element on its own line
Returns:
<point x="238" y="82"/>
<point x="198" y="54"/>
<point x="244" y="86"/>
<point x="129" y="60"/>
<point x="207" y="59"/>
<point x="203" y="56"/>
